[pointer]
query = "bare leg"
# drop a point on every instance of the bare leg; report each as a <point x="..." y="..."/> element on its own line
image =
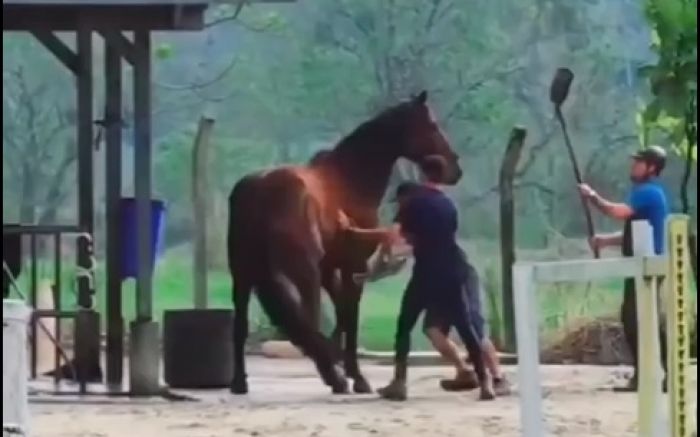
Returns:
<point x="464" y="377"/>
<point x="493" y="364"/>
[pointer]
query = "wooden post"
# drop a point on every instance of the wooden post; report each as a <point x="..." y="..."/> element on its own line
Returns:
<point x="507" y="214"/>
<point x="144" y="353"/>
<point x="142" y="174"/>
<point x="200" y="193"/>
<point x="86" y="201"/>
<point x="15" y="405"/>
<point x="113" y="193"/>
<point x="650" y="392"/>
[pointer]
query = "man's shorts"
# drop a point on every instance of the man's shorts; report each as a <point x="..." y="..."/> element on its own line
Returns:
<point x="473" y="295"/>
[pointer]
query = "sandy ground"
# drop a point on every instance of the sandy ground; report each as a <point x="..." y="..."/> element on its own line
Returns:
<point x="288" y="400"/>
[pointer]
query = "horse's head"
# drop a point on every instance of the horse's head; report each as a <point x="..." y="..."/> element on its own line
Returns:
<point x="422" y="139"/>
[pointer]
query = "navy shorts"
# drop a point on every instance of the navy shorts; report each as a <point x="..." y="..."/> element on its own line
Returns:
<point x="434" y="317"/>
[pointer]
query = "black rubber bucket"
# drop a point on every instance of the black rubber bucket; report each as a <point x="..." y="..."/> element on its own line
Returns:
<point x="197" y="348"/>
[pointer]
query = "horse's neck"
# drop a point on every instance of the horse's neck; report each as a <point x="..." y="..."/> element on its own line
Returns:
<point x="363" y="180"/>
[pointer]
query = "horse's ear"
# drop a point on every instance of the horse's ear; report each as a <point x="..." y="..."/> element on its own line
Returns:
<point x="421" y="98"/>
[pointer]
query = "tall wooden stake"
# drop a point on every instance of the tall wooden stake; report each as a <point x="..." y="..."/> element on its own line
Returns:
<point x="200" y="190"/>
<point x="507" y="175"/>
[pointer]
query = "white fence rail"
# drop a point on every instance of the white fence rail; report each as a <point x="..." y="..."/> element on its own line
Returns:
<point x="648" y="270"/>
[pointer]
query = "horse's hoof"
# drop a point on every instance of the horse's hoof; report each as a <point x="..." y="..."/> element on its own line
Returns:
<point x="396" y="391"/>
<point x="239" y="387"/>
<point x="341" y="387"/>
<point x="361" y="386"/>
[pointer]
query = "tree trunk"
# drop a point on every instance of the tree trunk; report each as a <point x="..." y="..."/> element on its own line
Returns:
<point x="200" y="192"/>
<point x="507" y="175"/>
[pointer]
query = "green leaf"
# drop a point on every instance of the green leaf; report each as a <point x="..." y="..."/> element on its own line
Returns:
<point x="164" y="51"/>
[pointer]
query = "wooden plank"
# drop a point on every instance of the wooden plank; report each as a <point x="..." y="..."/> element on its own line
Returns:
<point x="529" y="378"/>
<point x="142" y="173"/>
<point x="119" y="43"/>
<point x="507" y="214"/>
<point x="113" y="188"/>
<point x="59" y="49"/>
<point x="86" y="199"/>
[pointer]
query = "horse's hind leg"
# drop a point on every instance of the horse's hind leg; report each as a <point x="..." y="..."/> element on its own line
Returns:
<point x="331" y="284"/>
<point x="286" y="313"/>
<point x="241" y="300"/>
<point x="350" y="297"/>
<point x="307" y="279"/>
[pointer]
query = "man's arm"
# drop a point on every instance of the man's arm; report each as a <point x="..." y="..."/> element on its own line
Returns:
<point x="618" y="211"/>
<point x="607" y="240"/>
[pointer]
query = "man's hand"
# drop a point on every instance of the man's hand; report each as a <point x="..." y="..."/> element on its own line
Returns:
<point x="392" y="237"/>
<point x="596" y="242"/>
<point x="587" y="192"/>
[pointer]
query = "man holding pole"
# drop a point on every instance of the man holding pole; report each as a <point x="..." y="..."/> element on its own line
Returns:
<point x="647" y="201"/>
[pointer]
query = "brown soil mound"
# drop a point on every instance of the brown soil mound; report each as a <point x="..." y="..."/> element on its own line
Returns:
<point x="598" y="342"/>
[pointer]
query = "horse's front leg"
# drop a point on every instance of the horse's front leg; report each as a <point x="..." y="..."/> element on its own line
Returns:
<point x="350" y="298"/>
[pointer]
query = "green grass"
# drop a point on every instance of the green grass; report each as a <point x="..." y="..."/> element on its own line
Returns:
<point x="559" y="305"/>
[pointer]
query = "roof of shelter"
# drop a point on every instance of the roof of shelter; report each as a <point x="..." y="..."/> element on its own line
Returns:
<point x="67" y="15"/>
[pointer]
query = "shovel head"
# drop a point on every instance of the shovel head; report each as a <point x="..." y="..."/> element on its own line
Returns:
<point x="561" y="84"/>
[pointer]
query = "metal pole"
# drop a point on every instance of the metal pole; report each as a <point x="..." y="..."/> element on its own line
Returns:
<point x="527" y="331"/>
<point x="677" y="325"/>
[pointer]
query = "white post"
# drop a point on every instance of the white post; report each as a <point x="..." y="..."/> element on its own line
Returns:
<point x="15" y="406"/>
<point x="527" y="337"/>
<point x="650" y="403"/>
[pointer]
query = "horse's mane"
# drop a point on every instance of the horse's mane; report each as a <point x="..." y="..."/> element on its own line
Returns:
<point x="382" y="126"/>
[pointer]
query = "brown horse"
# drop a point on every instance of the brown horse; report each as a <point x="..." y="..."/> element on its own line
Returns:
<point x="284" y="240"/>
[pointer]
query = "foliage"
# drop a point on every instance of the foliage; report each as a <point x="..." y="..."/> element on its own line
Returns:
<point x="673" y="79"/>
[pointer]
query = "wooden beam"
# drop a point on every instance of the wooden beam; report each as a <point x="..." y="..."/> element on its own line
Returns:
<point x="113" y="188"/>
<point x="507" y="222"/>
<point x="67" y="17"/>
<point x="120" y="43"/>
<point x="59" y="49"/>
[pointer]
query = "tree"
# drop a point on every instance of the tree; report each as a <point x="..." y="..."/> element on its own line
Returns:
<point x="672" y="111"/>
<point x="38" y="148"/>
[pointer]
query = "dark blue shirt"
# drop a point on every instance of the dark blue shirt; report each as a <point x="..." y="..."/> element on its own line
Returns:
<point x="648" y="201"/>
<point x="430" y="221"/>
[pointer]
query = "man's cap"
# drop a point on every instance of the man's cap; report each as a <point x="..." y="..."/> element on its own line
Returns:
<point x="655" y="155"/>
<point x="406" y="189"/>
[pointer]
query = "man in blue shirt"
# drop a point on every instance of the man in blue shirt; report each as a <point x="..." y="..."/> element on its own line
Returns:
<point x="647" y="201"/>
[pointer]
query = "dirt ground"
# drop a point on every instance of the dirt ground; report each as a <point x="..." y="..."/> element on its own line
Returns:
<point x="288" y="400"/>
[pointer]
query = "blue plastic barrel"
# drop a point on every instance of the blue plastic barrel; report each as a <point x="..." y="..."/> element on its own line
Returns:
<point x="129" y="244"/>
